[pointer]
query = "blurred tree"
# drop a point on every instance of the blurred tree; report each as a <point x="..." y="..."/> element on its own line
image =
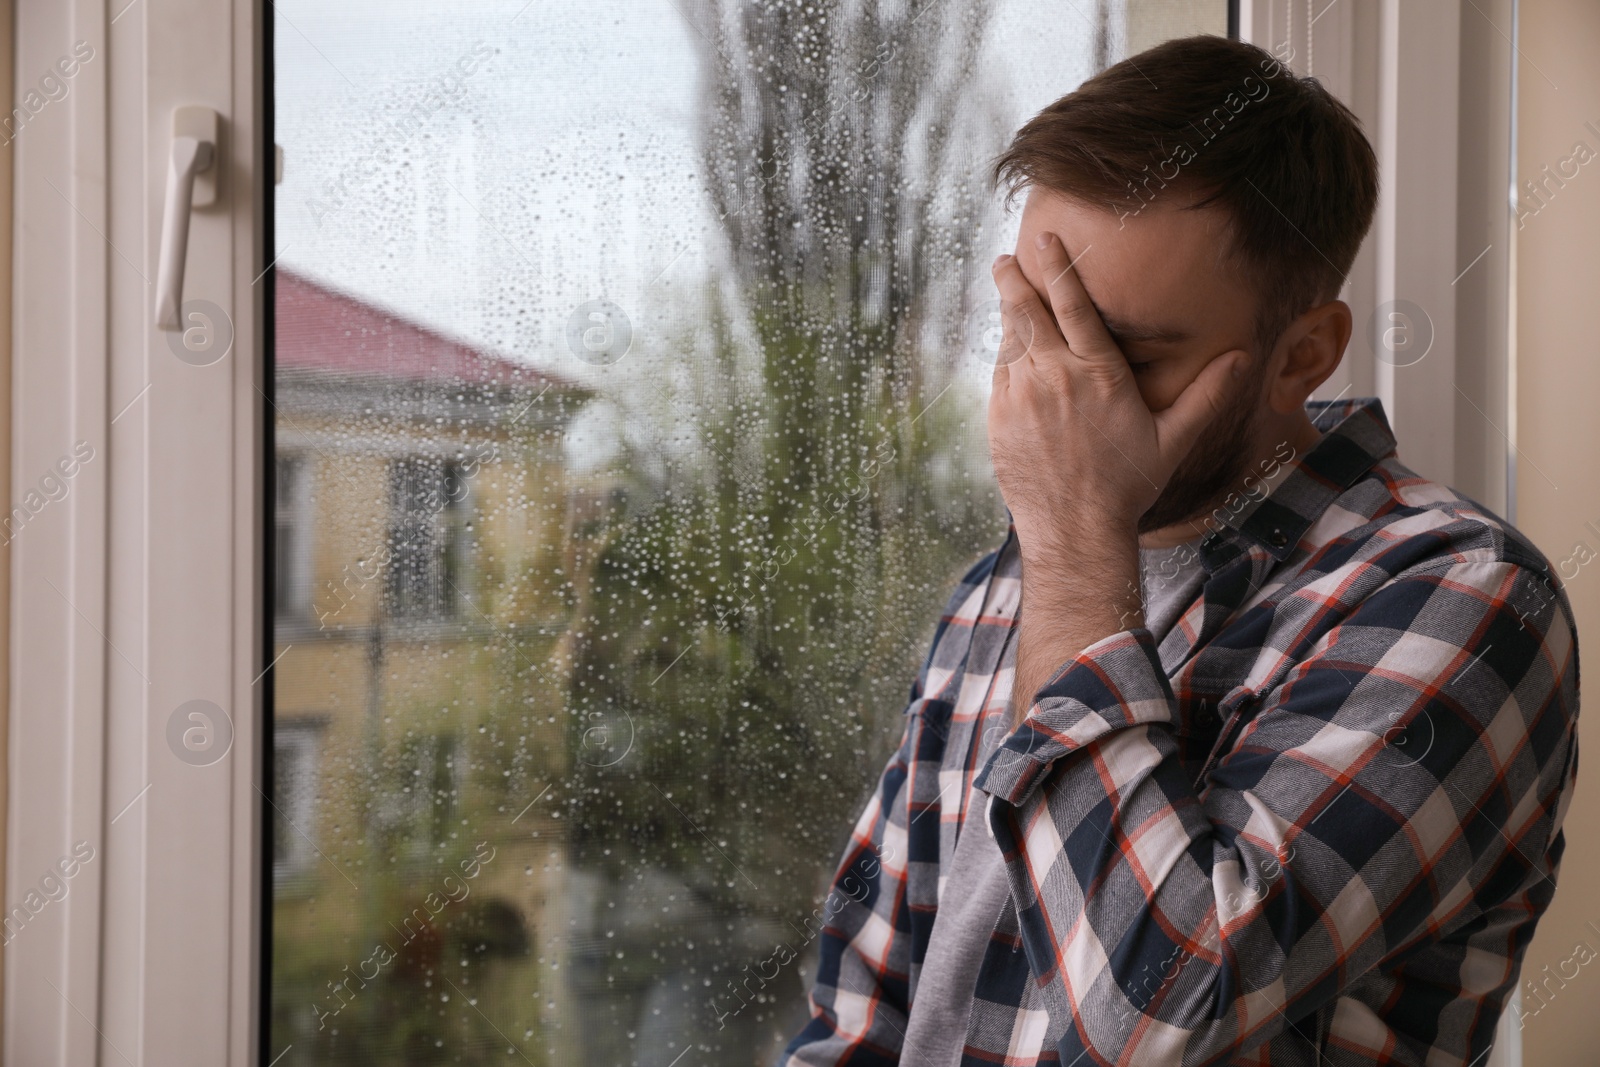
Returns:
<point x="752" y="617"/>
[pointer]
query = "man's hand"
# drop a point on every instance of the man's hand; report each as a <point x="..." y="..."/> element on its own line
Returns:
<point x="1079" y="458"/>
<point x="1075" y="449"/>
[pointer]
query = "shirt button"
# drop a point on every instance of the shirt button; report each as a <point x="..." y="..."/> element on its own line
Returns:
<point x="1278" y="539"/>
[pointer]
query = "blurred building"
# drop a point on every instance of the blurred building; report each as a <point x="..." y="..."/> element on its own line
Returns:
<point x="422" y="585"/>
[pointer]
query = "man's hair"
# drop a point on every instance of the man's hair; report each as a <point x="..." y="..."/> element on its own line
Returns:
<point x="1216" y="122"/>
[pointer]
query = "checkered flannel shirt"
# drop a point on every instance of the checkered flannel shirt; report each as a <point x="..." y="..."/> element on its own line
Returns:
<point x="1316" y="824"/>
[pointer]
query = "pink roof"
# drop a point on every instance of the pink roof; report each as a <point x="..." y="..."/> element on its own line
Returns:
<point x="322" y="329"/>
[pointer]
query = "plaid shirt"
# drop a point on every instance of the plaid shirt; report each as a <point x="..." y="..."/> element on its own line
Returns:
<point x="1316" y="825"/>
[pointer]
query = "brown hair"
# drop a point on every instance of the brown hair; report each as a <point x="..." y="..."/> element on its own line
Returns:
<point x="1224" y="123"/>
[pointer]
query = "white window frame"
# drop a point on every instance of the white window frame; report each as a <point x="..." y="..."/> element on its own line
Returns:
<point x="142" y="590"/>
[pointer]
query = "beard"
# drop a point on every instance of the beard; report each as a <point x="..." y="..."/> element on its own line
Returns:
<point x="1217" y="462"/>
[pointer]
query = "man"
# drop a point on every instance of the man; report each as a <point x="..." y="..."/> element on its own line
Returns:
<point x="1249" y="745"/>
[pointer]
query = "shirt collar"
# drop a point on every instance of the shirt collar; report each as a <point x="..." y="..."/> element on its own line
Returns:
<point x="1355" y="437"/>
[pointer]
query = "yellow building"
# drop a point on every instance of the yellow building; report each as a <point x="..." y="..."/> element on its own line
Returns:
<point x="423" y="581"/>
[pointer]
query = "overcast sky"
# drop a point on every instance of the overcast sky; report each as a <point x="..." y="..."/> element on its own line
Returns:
<point x="564" y="169"/>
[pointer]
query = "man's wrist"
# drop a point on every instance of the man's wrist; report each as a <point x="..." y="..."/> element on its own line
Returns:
<point x="1074" y="594"/>
<point x="1079" y="565"/>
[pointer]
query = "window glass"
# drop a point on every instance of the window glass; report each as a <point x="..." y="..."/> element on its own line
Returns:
<point x="629" y="380"/>
<point x="296" y="746"/>
<point x="427" y="539"/>
<point x="291" y="582"/>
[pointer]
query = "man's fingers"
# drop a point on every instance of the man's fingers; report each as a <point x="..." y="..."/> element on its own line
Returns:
<point x="1180" y="425"/>
<point x="1001" y="378"/>
<point x="1026" y="321"/>
<point x="1080" y="322"/>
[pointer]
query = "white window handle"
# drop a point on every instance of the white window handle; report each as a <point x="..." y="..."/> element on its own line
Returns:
<point x="193" y="154"/>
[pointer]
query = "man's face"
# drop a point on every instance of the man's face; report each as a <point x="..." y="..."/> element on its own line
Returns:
<point x="1161" y="282"/>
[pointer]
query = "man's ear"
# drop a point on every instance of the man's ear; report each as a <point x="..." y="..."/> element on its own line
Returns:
<point x="1308" y="352"/>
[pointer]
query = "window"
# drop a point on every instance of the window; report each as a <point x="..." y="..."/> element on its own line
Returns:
<point x="649" y="375"/>
<point x="418" y="806"/>
<point x="654" y="308"/>
<point x="427" y="537"/>
<point x="296" y="779"/>
<point x="291" y="594"/>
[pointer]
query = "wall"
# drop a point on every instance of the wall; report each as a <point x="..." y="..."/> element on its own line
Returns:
<point x="7" y="71"/>
<point x="1557" y="382"/>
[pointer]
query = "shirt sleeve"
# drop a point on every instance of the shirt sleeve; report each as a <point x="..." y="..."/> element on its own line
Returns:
<point x="1406" y="775"/>
<point x="860" y="1000"/>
